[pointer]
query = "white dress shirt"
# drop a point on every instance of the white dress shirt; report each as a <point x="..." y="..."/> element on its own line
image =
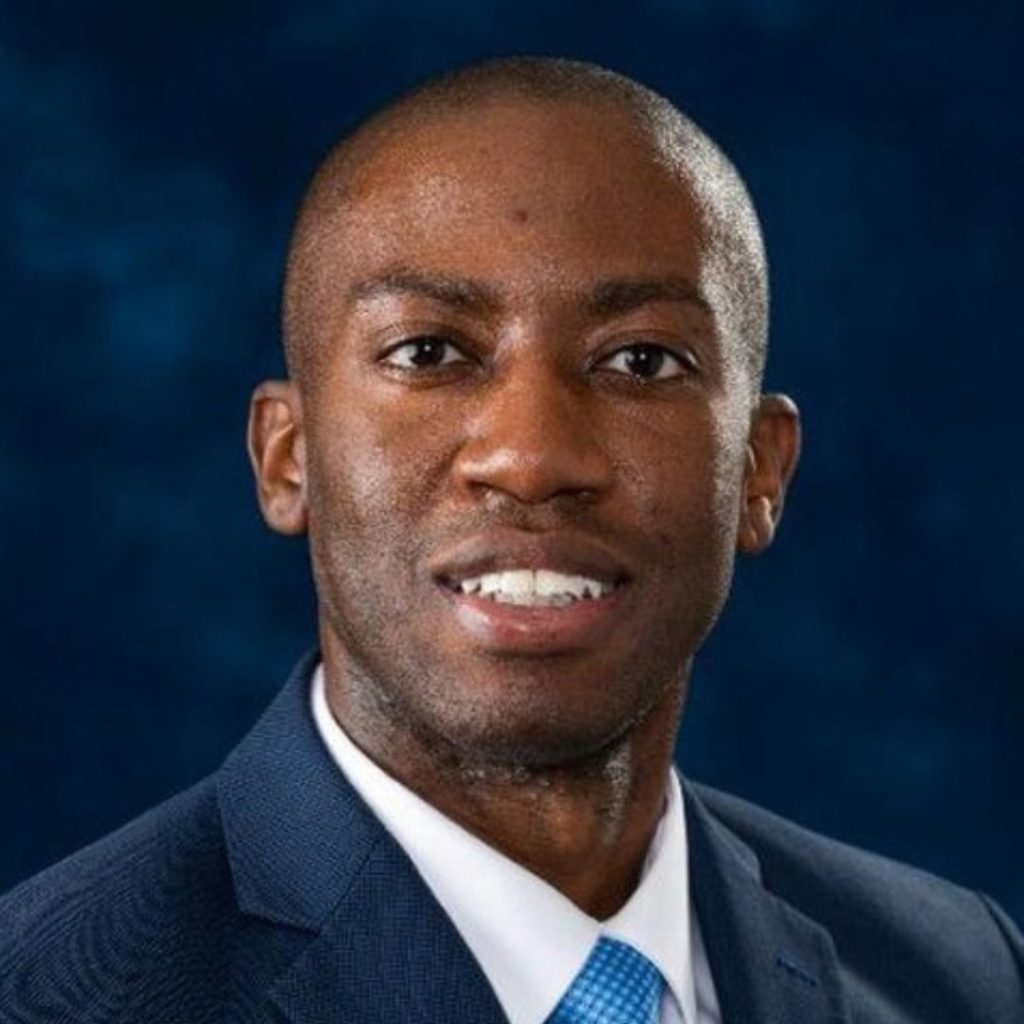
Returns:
<point x="529" y="939"/>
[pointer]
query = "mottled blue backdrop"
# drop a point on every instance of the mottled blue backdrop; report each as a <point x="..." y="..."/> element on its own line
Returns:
<point x="868" y="678"/>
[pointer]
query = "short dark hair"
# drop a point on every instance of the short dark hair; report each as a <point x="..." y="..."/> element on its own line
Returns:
<point x="730" y="220"/>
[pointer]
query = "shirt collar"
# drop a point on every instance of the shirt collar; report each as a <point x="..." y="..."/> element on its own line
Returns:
<point x="529" y="939"/>
<point x="656" y="919"/>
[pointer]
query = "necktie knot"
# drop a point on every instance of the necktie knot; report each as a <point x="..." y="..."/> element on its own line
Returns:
<point x="617" y="985"/>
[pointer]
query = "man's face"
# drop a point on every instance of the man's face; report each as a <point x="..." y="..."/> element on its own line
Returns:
<point x="521" y="367"/>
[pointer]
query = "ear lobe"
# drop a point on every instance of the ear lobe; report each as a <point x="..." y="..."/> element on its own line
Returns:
<point x="277" y="451"/>
<point x="772" y="454"/>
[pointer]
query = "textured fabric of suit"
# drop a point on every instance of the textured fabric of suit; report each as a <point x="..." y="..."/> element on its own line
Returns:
<point x="269" y="892"/>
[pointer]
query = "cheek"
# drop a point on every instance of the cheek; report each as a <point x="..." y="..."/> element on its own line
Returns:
<point x="354" y="498"/>
<point x="361" y="532"/>
<point x="359" y="466"/>
<point x="379" y="446"/>
<point x="690" y="496"/>
<point x="687" y="479"/>
<point x="372" y="474"/>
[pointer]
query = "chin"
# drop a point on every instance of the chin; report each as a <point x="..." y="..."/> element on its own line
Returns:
<point x="528" y="733"/>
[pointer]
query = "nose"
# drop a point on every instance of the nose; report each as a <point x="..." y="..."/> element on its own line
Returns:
<point x="535" y="436"/>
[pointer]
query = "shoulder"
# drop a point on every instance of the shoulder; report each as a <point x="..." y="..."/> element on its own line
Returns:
<point x="796" y="860"/>
<point x="107" y="913"/>
<point x="169" y="840"/>
<point x="884" y="916"/>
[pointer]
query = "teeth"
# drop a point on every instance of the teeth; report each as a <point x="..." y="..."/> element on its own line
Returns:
<point x="528" y="587"/>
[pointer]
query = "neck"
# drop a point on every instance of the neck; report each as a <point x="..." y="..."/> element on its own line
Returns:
<point x="583" y="826"/>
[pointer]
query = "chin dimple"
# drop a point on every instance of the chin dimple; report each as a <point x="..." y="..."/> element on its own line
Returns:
<point x="541" y="588"/>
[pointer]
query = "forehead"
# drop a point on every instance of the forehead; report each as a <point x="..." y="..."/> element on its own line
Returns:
<point x="535" y="193"/>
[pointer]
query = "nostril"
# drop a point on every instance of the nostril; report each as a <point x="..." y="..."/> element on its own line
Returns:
<point x="536" y="472"/>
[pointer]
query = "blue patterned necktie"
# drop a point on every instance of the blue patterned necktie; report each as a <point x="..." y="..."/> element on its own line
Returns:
<point x="617" y="985"/>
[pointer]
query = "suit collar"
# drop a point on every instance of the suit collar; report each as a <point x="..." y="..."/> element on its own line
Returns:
<point x="769" y="961"/>
<point x="388" y="952"/>
<point x="307" y="853"/>
<point x="297" y="835"/>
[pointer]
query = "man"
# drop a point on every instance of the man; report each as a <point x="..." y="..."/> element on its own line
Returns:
<point x="524" y="318"/>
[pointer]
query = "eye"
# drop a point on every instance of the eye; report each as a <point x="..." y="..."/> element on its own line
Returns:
<point x="426" y="352"/>
<point x="647" y="361"/>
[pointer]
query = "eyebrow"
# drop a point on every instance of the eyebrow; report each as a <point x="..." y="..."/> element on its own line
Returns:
<point x="613" y="297"/>
<point x="461" y="293"/>
<point x="622" y="295"/>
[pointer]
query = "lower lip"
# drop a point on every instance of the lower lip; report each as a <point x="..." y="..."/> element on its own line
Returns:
<point x="520" y="629"/>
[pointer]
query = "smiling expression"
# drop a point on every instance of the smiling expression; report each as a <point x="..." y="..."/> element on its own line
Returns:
<point x="522" y="376"/>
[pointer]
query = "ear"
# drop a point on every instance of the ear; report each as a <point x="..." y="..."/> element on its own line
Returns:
<point x="773" y="449"/>
<point x="277" y="450"/>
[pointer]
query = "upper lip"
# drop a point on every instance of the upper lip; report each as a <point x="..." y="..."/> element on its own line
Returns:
<point x="502" y="550"/>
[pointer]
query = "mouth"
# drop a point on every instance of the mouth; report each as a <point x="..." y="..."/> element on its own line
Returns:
<point x="535" y="594"/>
<point x="532" y="588"/>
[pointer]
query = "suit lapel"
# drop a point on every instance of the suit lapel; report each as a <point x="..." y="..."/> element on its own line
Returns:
<point x="769" y="962"/>
<point x="388" y="953"/>
<point x="308" y="854"/>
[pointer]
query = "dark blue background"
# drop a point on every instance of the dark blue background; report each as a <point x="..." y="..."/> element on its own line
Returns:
<point x="867" y="678"/>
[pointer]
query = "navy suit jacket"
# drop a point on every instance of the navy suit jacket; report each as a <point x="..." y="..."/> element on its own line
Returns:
<point x="270" y="892"/>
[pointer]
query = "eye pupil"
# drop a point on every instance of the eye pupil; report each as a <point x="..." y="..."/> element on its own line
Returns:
<point x="645" y="360"/>
<point x="427" y="351"/>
